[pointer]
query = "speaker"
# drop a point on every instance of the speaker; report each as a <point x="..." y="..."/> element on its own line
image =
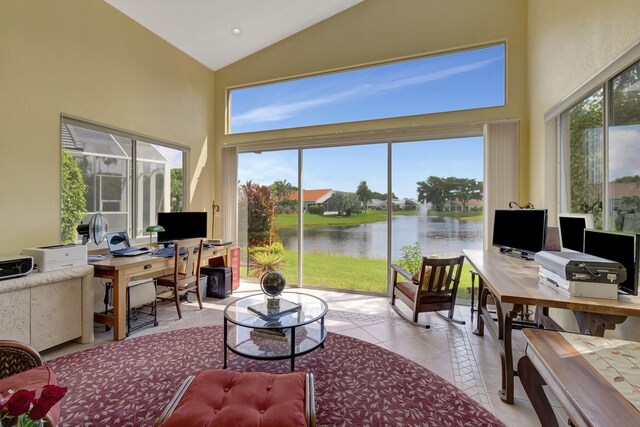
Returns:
<point x="219" y="281"/>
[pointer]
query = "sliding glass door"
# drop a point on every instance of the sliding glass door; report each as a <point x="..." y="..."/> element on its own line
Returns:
<point x="437" y="201"/>
<point x="344" y="239"/>
<point x="345" y="227"/>
<point x="268" y="213"/>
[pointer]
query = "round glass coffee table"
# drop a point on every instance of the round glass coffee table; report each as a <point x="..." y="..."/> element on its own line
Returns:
<point x="274" y="337"/>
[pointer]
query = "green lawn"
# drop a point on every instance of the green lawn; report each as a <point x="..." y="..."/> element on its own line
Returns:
<point x="341" y="272"/>
<point x="291" y="220"/>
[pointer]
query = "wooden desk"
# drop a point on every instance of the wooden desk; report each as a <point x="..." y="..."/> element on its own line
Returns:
<point x="514" y="283"/>
<point x="120" y="270"/>
<point x="587" y="397"/>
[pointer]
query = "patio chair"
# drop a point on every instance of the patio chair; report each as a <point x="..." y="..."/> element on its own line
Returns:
<point x="433" y="288"/>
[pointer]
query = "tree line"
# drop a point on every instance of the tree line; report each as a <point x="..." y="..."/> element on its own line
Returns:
<point x="439" y="190"/>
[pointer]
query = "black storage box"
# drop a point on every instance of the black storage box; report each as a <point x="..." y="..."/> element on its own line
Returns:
<point x="219" y="281"/>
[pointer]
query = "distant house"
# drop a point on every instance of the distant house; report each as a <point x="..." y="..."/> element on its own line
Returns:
<point x="376" y="204"/>
<point x="312" y="197"/>
<point x="398" y="204"/>
<point x="618" y="190"/>
<point x="456" y="205"/>
<point x="406" y="204"/>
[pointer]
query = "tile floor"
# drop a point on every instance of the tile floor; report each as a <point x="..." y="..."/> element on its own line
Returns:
<point x="470" y="362"/>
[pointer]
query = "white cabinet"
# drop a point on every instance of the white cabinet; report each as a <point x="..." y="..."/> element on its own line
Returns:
<point x="47" y="309"/>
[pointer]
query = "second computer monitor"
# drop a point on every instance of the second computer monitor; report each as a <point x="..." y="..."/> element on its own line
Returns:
<point x="572" y="228"/>
<point x="182" y="225"/>
<point x="618" y="247"/>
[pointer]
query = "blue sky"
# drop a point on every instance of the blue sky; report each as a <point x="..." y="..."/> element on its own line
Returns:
<point x="458" y="81"/>
<point x="463" y="80"/>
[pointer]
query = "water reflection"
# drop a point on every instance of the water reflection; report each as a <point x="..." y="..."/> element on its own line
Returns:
<point x="437" y="235"/>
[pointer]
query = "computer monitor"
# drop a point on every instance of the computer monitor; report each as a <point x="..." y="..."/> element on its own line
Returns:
<point x="182" y="225"/>
<point x="572" y="228"/>
<point x="521" y="230"/>
<point x="620" y="247"/>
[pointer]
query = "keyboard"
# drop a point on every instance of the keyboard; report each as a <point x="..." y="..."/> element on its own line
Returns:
<point x="168" y="252"/>
<point x="133" y="251"/>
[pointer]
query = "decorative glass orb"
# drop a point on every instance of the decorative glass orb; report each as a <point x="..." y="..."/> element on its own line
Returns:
<point x="272" y="283"/>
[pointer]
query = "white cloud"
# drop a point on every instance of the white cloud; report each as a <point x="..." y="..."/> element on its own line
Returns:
<point x="267" y="168"/>
<point x="278" y="112"/>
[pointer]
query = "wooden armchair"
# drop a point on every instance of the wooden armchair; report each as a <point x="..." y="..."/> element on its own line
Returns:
<point x="186" y="272"/>
<point x="434" y="288"/>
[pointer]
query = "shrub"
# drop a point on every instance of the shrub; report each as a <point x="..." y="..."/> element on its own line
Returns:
<point x="316" y="209"/>
<point x="261" y="207"/>
<point x="274" y="248"/>
<point x="264" y="262"/>
<point x="411" y="258"/>
<point x="73" y="202"/>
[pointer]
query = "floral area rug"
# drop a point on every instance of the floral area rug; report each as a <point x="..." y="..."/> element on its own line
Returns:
<point x="128" y="383"/>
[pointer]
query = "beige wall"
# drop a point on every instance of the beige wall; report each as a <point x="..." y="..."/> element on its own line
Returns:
<point x="382" y="30"/>
<point x="569" y="42"/>
<point x="86" y="59"/>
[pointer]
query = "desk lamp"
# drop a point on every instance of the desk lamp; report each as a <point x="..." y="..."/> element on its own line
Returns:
<point x="153" y="229"/>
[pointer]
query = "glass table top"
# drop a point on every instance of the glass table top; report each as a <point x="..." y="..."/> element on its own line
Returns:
<point x="312" y="309"/>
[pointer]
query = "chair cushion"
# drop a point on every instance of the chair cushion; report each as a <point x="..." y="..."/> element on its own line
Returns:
<point x="409" y="289"/>
<point x="228" y="398"/>
<point x="168" y="281"/>
<point x="425" y="280"/>
<point x="33" y="379"/>
<point x="141" y="292"/>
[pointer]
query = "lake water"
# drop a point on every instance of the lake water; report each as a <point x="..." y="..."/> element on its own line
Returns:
<point x="437" y="235"/>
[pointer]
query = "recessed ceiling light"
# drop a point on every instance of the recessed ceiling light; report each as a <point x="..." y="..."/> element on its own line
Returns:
<point x="236" y="31"/>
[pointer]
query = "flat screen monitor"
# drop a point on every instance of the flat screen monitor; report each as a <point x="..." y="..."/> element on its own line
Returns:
<point x="522" y="230"/>
<point x="572" y="228"/>
<point x="620" y="247"/>
<point x="182" y="225"/>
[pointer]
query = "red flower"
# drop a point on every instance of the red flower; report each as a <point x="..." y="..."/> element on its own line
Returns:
<point x="20" y="401"/>
<point x="51" y="394"/>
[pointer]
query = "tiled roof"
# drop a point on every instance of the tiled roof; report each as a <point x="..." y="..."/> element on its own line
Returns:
<point x="311" y="195"/>
<point x="618" y="190"/>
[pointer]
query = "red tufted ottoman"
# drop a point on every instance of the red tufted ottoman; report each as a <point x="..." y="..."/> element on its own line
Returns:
<point x="242" y="399"/>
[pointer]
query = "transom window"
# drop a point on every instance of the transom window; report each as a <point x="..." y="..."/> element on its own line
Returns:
<point x="449" y="82"/>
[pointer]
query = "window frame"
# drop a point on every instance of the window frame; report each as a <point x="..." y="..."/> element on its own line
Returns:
<point x="132" y="168"/>
<point x="602" y="81"/>
<point x="371" y="65"/>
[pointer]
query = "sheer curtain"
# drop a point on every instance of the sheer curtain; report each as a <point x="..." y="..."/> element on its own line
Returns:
<point x="501" y="171"/>
<point x="229" y="202"/>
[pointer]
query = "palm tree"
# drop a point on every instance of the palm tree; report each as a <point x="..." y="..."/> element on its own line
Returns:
<point x="364" y="194"/>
